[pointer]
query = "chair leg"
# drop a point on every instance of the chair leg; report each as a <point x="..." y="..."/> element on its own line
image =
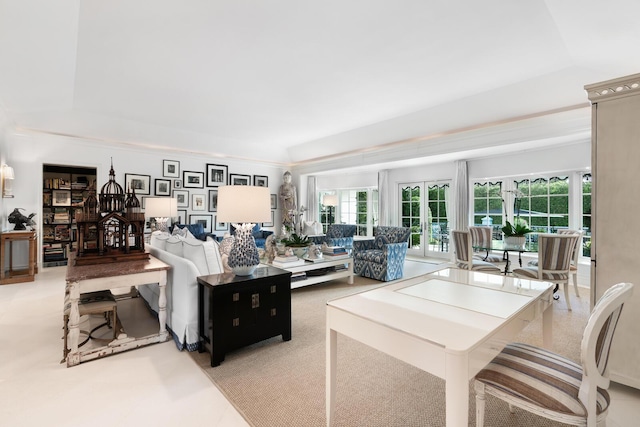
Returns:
<point x="575" y="283"/>
<point x="566" y="294"/>
<point x="480" y="403"/>
<point x="65" y="330"/>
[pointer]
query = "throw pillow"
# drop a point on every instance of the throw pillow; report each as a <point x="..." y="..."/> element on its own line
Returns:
<point x="159" y="239"/>
<point x="182" y="232"/>
<point x="204" y="255"/>
<point x="174" y="245"/>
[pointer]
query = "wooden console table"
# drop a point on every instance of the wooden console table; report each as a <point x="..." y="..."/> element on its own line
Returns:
<point x="100" y="277"/>
<point x="18" y="276"/>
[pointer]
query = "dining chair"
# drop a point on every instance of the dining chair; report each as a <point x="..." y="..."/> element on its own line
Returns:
<point x="576" y="256"/>
<point x="555" y="252"/>
<point x="553" y="386"/>
<point x="464" y="254"/>
<point x="482" y="237"/>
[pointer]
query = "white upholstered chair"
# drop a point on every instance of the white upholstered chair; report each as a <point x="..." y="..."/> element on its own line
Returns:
<point x="464" y="254"/>
<point x="555" y="252"/>
<point x="576" y="256"/>
<point x="481" y="237"/>
<point x="552" y="386"/>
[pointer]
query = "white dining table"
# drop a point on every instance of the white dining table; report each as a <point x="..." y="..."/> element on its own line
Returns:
<point x="450" y="323"/>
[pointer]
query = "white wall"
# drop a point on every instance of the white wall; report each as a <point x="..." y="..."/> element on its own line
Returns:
<point x="27" y="152"/>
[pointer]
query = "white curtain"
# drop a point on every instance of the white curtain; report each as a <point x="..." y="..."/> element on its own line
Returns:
<point x="383" y="197"/>
<point x="312" y="199"/>
<point x="461" y="192"/>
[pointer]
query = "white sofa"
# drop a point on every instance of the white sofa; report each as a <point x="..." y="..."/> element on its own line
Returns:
<point x="188" y="258"/>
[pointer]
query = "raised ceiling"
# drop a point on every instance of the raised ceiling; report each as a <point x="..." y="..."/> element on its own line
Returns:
<point x="290" y="81"/>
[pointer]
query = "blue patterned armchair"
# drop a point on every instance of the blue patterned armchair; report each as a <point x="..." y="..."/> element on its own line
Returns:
<point x="337" y="235"/>
<point x="383" y="257"/>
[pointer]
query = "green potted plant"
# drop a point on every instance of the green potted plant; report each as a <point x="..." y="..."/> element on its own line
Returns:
<point x="298" y="243"/>
<point x="515" y="234"/>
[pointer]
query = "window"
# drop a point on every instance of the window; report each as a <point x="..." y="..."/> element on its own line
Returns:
<point x="359" y="207"/>
<point x="487" y="203"/>
<point x="544" y="203"/>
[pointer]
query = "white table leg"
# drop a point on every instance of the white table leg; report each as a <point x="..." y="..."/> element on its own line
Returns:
<point x="350" y="264"/>
<point x="457" y="390"/>
<point x="332" y="352"/>
<point x="162" y="307"/>
<point x="73" y="357"/>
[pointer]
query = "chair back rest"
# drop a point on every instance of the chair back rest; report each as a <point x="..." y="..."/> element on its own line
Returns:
<point x="596" y="342"/>
<point x="336" y="231"/>
<point x="555" y="252"/>
<point x="393" y="234"/>
<point x="481" y="236"/>
<point x="576" y="252"/>
<point x="462" y="248"/>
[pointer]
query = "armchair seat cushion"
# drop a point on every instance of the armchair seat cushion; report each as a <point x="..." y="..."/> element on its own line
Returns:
<point x="532" y="273"/>
<point x="372" y="255"/>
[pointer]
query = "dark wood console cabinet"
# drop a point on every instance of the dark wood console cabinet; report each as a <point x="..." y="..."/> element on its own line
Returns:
<point x="236" y="311"/>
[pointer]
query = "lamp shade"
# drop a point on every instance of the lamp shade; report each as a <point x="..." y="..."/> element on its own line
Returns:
<point x="330" y="200"/>
<point x="7" y="172"/>
<point x="244" y="203"/>
<point x="161" y="207"/>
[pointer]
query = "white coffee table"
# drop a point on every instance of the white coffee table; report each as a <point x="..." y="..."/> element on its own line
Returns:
<point x="312" y="280"/>
<point x="450" y="323"/>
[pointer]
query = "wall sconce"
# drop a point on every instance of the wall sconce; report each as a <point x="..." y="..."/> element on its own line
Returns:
<point x="7" y="178"/>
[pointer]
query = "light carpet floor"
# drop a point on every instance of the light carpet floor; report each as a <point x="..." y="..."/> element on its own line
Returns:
<point x="276" y="383"/>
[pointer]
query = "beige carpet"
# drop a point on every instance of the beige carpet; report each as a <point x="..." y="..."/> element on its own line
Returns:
<point x="276" y="383"/>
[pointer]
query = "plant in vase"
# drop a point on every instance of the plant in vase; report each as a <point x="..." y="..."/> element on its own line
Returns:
<point x="515" y="234"/>
<point x="298" y="243"/>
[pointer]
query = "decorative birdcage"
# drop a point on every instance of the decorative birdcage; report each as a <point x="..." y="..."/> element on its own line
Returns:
<point x="111" y="194"/>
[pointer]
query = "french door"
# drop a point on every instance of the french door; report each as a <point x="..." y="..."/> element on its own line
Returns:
<point x="424" y="209"/>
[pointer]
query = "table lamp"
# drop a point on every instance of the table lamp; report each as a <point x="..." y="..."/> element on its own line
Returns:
<point x="330" y="200"/>
<point x="243" y="206"/>
<point x="7" y="178"/>
<point x="162" y="209"/>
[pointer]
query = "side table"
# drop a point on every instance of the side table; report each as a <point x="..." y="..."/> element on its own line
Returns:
<point x="236" y="311"/>
<point x="18" y="276"/>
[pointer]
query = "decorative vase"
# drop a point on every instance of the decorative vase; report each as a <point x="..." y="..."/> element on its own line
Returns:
<point x="244" y="258"/>
<point x="299" y="251"/>
<point x="517" y="241"/>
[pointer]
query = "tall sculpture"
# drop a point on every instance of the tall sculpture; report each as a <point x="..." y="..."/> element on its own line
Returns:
<point x="289" y="201"/>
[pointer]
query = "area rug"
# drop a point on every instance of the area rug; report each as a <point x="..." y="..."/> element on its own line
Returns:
<point x="276" y="383"/>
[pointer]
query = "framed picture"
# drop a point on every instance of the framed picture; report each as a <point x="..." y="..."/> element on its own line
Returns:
<point x="274" y="201"/>
<point x="198" y="202"/>
<point x="182" y="197"/>
<point x="177" y="183"/>
<point x="163" y="187"/>
<point x="140" y="183"/>
<point x="171" y="169"/>
<point x="192" y="179"/>
<point x="260" y="181"/>
<point x="268" y="224"/>
<point x="237" y="179"/>
<point x="205" y="220"/>
<point x="216" y="175"/>
<point x="221" y="226"/>
<point x="182" y="216"/>
<point x="61" y="198"/>
<point x="213" y="200"/>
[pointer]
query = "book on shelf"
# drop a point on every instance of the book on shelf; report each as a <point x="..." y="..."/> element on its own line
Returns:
<point x="315" y="260"/>
<point x="298" y="276"/>
<point x="333" y="249"/>
<point x="297" y="263"/>
<point x="336" y="256"/>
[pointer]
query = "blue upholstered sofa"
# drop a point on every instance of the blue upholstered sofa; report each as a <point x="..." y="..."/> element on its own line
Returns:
<point x="196" y="229"/>
<point x="382" y="258"/>
<point x="260" y="236"/>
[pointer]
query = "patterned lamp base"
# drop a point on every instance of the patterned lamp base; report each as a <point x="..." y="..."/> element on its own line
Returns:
<point x="244" y="257"/>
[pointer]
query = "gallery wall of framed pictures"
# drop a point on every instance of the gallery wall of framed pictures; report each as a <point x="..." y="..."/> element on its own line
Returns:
<point x="196" y="190"/>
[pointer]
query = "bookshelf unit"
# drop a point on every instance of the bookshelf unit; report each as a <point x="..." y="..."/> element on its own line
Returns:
<point x="63" y="188"/>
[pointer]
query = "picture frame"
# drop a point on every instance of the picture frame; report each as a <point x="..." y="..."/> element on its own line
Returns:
<point x="191" y="179"/>
<point x="182" y="216"/>
<point x="140" y="183"/>
<point x="221" y="226"/>
<point x="205" y="220"/>
<point x="171" y="169"/>
<point x="182" y="198"/>
<point x="216" y="175"/>
<point x="274" y="201"/>
<point x="60" y="197"/>
<point x="269" y="224"/>
<point x="198" y="202"/>
<point x="177" y="183"/>
<point x="260" y="180"/>
<point x="239" y="179"/>
<point x="163" y="187"/>
<point x="213" y="200"/>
